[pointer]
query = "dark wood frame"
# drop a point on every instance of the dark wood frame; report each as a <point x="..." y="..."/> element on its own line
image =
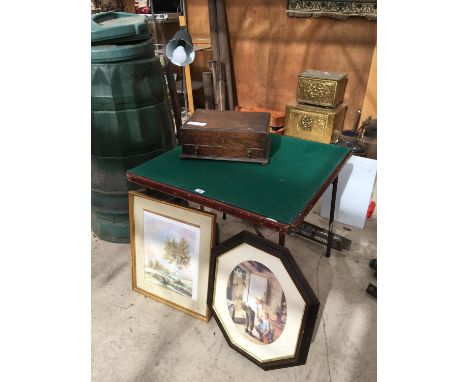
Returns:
<point x="131" y="197"/>
<point x="312" y="303"/>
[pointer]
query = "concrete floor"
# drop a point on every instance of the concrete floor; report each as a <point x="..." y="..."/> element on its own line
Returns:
<point x="137" y="339"/>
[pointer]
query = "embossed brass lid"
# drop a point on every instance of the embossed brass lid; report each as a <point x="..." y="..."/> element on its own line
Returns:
<point x="323" y="75"/>
<point x="318" y="109"/>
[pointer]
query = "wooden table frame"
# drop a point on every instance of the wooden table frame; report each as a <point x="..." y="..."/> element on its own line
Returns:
<point x="280" y="227"/>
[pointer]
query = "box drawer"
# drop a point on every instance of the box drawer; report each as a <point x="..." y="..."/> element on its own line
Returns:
<point x="226" y="139"/>
<point x="224" y="153"/>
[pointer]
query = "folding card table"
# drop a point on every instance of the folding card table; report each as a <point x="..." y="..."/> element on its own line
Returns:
<point x="278" y="195"/>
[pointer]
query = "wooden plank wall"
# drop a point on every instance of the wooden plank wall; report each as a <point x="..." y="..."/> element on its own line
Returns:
<point x="269" y="49"/>
<point x="128" y="6"/>
<point x="369" y="108"/>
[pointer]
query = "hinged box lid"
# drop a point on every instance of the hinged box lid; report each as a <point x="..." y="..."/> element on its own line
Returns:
<point x="328" y="111"/>
<point x="323" y="75"/>
<point x="228" y="121"/>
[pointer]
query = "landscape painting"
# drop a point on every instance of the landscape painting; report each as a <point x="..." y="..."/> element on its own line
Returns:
<point x="171" y="254"/>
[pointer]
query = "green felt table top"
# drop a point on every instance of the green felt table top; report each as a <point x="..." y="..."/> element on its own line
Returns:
<point x="279" y="190"/>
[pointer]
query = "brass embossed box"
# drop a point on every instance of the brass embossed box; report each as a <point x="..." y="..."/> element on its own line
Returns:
<point x="314" y="123"/>
<point x="321" y="88"/>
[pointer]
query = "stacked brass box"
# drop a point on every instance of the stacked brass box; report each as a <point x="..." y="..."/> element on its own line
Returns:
<point x="320" y="112"/>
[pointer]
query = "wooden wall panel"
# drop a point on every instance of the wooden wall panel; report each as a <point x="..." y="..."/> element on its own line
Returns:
<point x="270" y="49"/>
<point x="199" y="27"/>
<point x="369" y="107"/>
<point x="197" y="17"/>
<point x="128" y="6"/>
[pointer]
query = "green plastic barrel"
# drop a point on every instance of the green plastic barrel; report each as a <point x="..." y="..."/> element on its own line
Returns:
<point x="130" y="124"/>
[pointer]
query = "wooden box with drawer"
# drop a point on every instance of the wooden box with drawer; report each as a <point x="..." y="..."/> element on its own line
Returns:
<point x="226" y="135"/>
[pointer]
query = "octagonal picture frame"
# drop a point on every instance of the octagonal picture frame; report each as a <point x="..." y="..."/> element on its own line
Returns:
<point x="261" y="301"/>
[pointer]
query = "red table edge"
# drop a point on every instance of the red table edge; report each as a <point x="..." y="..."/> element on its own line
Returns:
<point x="236" y="211"/>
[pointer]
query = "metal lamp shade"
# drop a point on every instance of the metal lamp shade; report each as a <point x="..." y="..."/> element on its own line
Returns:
<point x="183" y="39"/>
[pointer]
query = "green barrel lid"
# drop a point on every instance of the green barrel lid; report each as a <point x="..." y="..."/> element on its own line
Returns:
<point x="118" y="27"/>
<point x="101" y="54"/>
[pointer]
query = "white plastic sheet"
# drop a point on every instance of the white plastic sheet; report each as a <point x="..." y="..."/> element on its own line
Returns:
<point x="355" y="185"/>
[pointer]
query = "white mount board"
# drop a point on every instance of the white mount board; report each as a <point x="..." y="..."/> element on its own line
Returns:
<point x="355" y="185"/>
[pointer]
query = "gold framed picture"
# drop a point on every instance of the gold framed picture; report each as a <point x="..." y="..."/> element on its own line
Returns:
<point x="171" y="251"/>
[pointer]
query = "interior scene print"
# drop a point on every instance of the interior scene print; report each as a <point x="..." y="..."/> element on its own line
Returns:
<point x="256" y="302"/>
<point x="171" y="254"/>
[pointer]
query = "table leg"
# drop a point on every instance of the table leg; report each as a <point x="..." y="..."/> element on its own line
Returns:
<point x="332" y="218"/>
<point x="282" y="238"/>
<point x="257" y="231"/>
